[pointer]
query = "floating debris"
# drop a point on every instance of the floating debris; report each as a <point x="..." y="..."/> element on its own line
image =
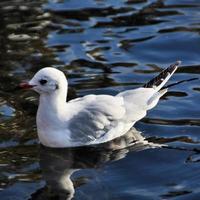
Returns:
<point x="9" y="8"/>
<point x="13" y="26"/>
<point x="24" y="8"/>
<point x="21" y="37"/>
<point x="44" y="16"/>
<point x="41" y="26"/>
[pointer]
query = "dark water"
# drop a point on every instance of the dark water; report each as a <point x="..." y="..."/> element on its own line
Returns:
<point x="103" y="47"/>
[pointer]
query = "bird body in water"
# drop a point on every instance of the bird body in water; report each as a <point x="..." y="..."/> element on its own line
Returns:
<point x="91" y="119"/>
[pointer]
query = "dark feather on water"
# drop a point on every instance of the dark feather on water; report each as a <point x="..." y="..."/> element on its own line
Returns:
<point x="162" y="76"/>
<point x="177" y="83"/>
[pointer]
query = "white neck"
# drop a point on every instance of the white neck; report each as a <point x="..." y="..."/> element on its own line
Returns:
<point x="51" y="109"/>
<point x="51" y="117"/>
<point x="54" y="101"/>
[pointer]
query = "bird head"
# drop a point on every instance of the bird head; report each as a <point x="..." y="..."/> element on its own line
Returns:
<point x="47" y="81"/>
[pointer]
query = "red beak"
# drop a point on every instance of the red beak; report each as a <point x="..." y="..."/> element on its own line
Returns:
<point x="25" y="85"/>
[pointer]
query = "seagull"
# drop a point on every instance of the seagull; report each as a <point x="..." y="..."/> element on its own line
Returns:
<point x="91" y="119"/>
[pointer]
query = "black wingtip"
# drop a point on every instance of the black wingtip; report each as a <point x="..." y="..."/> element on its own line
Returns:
<point x="155" y="82"/>
<point x="178" y="62"/>
<point x="173" y="66"/>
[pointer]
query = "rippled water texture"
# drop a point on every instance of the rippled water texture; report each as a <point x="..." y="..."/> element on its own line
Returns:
<point x="103" y="47"/>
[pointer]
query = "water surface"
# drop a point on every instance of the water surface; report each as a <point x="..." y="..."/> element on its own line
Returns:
<point x="103" y="47"/>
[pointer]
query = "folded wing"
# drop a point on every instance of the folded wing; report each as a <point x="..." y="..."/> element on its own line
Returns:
<point x="96" y="115"/>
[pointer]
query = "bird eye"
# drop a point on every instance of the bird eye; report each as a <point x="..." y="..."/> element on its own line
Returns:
<point x="43" y="81"/>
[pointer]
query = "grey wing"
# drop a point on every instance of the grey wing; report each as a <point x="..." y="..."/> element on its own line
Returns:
<point x="98" y="115"/>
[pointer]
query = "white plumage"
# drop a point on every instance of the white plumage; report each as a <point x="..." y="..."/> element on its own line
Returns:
<point x="91" y="119"/>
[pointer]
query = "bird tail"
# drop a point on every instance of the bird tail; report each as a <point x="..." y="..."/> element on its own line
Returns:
<point x="159" y="81"/>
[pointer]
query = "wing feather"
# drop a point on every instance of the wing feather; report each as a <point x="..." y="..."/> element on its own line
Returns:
<point x="97" y="115"/>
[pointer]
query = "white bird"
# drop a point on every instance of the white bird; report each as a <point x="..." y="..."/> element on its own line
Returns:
<point x="91" y="119"/>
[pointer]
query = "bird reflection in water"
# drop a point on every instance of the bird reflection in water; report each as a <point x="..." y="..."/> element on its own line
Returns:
<point x="58" y="165"/>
